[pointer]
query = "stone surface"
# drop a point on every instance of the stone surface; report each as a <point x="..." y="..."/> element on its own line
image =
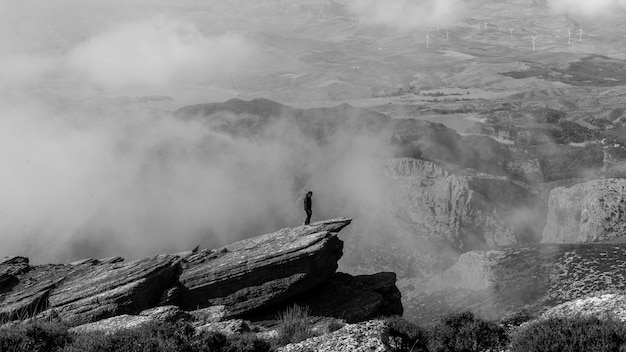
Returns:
<point x="114" y="289"/>
<point x="254" y="274"/>
<point x="587" y="212"/>
<point x="467" y="210"/>
<point x="228" y="327"/>
<point x="370" y="336"/>
<point x="88" y="292"/>
<point x="607" y="305"/>
<point x="158" y="315"/>
<point x="355" y="298"/>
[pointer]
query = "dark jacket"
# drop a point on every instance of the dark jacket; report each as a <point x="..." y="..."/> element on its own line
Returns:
<point x="307" y="203"/>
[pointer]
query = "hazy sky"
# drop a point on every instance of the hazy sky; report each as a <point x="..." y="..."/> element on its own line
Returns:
<point x="86" y="174"/>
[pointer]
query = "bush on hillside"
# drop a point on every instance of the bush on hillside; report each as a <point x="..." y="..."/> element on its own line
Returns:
<point x="294" y="325"/>
<point x="570" y="334"/>
<point x="464" y="332"/>
<point x="410" y="337"/>
<point x="39" y="337"/>
<point x="179" y="337"/>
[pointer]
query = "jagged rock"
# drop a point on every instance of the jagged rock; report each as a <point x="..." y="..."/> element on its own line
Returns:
<point x="13" y="265"/>
<point x="467" y="210"/>
<point x="212" y="314"/>
<point x="166" y="314"/>
<point x="88" y="261"/>
<point x="171" y="296"/>
<point x="159" y="315"/>
<point x="114" y="324"/>
<point x="115" y="289"/>
<point x="228" y="327"/>
<point x="587" y="212"/>
<point x="355" y="298"/>
<point x="111" y="260"/>
<point x="497" y="283"/>
<point x="254" y="274"/>
<point x="83" y="293"/>
<point x="607" y="305"/>
<point x="370" y="336"/>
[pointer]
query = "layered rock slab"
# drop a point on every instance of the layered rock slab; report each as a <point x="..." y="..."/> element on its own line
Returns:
<point x="592" y="211"/>
<point x="254" y="274"/>
<point x="82" y="293"/>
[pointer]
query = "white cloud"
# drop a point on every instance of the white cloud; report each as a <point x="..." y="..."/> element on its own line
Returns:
<point x="406" y="15"/>
<point x="588" y="8"/>
<point x="157" y="52"/>
<point x="146" y="54"/>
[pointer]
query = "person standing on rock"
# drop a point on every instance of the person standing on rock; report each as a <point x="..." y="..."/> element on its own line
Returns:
<point x="308" y="207"/>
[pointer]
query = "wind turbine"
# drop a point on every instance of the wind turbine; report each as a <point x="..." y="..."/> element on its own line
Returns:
<point x="534" y="37"/>
<point x="569" y="37"/>
<point x="580" y="34"/>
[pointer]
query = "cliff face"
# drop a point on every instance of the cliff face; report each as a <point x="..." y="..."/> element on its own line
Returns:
<point x="587" y="212"/>
<point x="258" y="275"/>
<point x="466" y="210"/>
<point x="499" y="282"/>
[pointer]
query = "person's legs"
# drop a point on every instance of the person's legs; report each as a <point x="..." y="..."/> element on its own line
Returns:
<point x="308" y="217"/>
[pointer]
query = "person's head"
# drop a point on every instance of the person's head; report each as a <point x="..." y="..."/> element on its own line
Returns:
<point x="309" y="193"/>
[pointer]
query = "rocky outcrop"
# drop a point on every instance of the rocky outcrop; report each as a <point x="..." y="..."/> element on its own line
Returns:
<point x="255" y="276"/>
<point x="587" y="212"/>
<point x="368" y="336"/>
<point x="83" y="293"/>
<point x="158" y="315"/>
<point x="251" y="275"/>
<point x="501" y="282"/>
<point x="601" y="305"/>
<point x="355" y="298"/>
<point x="466" y="210"/>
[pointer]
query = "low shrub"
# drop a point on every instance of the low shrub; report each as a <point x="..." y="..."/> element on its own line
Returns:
<point x="570" y="334"/>
<point x="410" y="337"/>
<point x="179" y="337"/>
<point x="39" y="337"/>
<point x="155" y="337"/>
<point x="464" y="332"/>
<point x="294" y="325"/>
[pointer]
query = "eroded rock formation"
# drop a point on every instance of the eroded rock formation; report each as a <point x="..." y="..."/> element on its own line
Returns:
<point x="499" y="282"/>
<point x="258" y="275"/>
<point x="467" y="210"/>
<point x="587" y="212"/>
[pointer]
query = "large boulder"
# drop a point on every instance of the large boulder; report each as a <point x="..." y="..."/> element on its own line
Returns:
<point x="255" y="274"/>
<point x="355" y="298"/>
<point x="587" y="212"/>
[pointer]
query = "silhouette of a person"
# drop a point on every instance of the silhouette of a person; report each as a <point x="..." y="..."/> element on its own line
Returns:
<point x="308" y="207"/>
